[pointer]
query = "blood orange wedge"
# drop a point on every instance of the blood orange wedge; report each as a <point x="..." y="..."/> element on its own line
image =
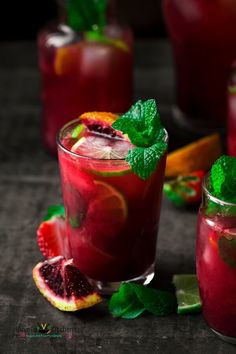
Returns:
<point x="63" y="285"/>
<point x="95" y="117"/>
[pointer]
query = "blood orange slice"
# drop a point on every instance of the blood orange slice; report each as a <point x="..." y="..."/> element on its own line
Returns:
<point x="63" y="285"/>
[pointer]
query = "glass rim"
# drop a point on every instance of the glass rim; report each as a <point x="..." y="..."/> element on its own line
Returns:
<point x="212" y="197"/>
<point x="75" y="154"/>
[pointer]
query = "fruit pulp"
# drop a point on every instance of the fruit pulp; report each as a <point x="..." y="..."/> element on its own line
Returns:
<point x="231" y="129"/>
<point x="80" y="75"/>
<point x="199" y="31"/>
<point x="112" y="215"/>
<point x="216" y="274"/>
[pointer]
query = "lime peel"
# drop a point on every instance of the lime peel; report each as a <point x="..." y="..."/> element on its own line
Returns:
<point x="187" y="293"/>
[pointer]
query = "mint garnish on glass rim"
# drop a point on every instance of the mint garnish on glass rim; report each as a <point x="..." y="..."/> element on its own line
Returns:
<point x="86" y="15"/>
<point x="143" y="126"/>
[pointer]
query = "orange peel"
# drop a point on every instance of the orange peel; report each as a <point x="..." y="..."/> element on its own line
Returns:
<point x="199" y="155"/>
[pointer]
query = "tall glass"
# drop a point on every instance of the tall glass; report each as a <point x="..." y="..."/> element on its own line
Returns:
<point x="203" y="39"/>
<point x="112" y="216"/>
<point x="81" y="74"/>
<point x="216" y="263"/>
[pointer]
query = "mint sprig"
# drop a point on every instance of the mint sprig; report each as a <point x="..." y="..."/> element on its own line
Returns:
<point x="86" y="15"/>
<point x="132" y="300"/>
<point x="143" y="126"/>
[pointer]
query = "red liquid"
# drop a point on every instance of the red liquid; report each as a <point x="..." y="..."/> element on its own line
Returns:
<point x="204" y="45"/>
<point x="105" y="244"/>
<point x="231" y="132"/>
<point x="217" y="279"/>
<point x="88" y="77"/>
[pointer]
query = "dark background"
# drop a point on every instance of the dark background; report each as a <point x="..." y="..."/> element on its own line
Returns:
<point x="22" y="19"/>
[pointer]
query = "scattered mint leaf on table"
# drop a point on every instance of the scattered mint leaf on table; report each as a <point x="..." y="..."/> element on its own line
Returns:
<point x="131" y="300"/>
<point x="158" y="302"/>
<point x="143" y="126"/>
<point x="124" y="303"/>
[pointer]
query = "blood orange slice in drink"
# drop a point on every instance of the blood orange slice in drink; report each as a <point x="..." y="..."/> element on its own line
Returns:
<point x="101" y="142"/>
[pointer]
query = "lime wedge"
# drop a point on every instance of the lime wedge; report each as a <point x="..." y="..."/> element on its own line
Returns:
<point x="187" y="293"/>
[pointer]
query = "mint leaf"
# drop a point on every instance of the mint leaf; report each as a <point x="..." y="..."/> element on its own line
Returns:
<point x="143" y="126"/>
<point x="55" y="210"/>
<point x="86" y="15"/>
<point x="143" y="161"/>
<point x="135" y="309"/>
<point x="121" y="300"/>
<point x="223" y="178"/>
<point x="125" y="303"/>
<point x="141" y="123"/>
<point x="158" y="302"/>
<point x="132" y="300"/>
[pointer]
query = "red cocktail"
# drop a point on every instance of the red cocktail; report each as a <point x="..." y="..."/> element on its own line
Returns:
<point x="80" y="73"/>
<point x="112" y="214"/>
<point x="231" y="132"/>
<point x="216" y="264"/>
<point x="204" y="46"/>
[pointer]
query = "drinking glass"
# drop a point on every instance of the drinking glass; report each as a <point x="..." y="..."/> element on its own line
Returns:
<point x="216" y="263"/>
<point x="112" y="215"/>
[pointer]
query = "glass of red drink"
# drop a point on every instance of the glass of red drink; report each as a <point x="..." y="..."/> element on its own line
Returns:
<point x="231" y="132"/>
<point x="216" y="263"/>
<point x="81" y="72"/>
<point x="203" y="39"/>
<point x="112" y="215"/>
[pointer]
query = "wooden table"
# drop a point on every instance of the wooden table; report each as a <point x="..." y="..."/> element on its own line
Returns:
<point x="29" y="182"/>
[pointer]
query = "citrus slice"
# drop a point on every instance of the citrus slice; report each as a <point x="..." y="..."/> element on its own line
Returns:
<point x="66" y="59"/>
<point x="187" y="293"/>
<point x="199" y="155"/>
<point x="99" y="147"/>
<point x="110" y="203"/>
<point x="105" y="218"/>
<point x="98" y="117"/>
<point x="63" y="285"/>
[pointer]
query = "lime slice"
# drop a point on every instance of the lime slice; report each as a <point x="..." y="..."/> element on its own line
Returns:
<point x="111" y="201"/>
<point x="103" y="148"/>
<point x="187" y="293"/>
<point x="77" y="131"/>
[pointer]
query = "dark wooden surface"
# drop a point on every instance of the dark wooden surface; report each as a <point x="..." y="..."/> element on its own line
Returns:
<point x="29" y="182"/>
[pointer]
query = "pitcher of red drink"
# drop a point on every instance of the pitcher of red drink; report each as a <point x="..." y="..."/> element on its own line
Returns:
<point x="203" y="38"/>
<point x="83" y="67"/>
<point x="231" y="131"/>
